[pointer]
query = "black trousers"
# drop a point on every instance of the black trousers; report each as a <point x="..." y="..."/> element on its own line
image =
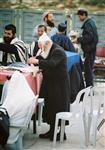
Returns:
<point x="88" y="68"/>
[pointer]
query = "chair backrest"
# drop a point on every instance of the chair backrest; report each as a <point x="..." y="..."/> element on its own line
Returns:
<point x="87" y="105"/>
<point x="92" y="104"/>
<point x="83" y="94"/>
<point x="97" y="99"/>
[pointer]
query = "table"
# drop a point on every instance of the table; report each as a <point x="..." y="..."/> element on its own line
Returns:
<point x="34" y="83"/>
<point x="75" y="74"/>
<point x="4" y="74"/>
<point x="72" y="58"/>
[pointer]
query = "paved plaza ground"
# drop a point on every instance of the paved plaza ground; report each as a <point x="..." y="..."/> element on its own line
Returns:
<point x="33" y="142"/>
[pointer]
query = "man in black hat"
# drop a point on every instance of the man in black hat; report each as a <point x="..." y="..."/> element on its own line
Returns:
<point x="61" y="39"/>
<point x="88" y="41"/>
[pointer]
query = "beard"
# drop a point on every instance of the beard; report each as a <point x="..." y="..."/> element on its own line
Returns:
<point x="7" y="40"/>
<point x="50" y="23"/>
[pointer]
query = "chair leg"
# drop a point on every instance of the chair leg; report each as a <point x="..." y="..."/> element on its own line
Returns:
<point x="62" y="130"/>
<point x="94" y="130"/>
<point x="89" y="125"/>
<point x="19" y="143"/>
<point x="85" y="129"/>
<point x="40" y="110"/>
<point x="34" y="123"/>
<point x="55" y="131"/>
<point x="81" y="132"/>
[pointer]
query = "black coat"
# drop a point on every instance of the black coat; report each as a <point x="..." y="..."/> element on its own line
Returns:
<point x="76" y="81"/>
<point x="89" y="38"/>
<point x="55" y="84"/>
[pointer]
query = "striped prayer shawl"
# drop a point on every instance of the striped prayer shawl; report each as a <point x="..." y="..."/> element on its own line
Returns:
<point x="22" y="51"/>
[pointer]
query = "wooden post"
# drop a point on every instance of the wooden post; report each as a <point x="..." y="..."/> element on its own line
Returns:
<point x="69" y="21"/>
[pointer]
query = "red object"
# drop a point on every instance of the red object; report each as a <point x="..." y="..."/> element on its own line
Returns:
<point x="100" y="52"/>
<point x="5" y="74"/>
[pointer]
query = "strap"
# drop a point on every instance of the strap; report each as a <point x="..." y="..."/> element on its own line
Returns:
<point x="2" y="109"/>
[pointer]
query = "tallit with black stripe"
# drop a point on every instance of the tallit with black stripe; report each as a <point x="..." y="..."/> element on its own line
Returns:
<point x="22" y="51"/>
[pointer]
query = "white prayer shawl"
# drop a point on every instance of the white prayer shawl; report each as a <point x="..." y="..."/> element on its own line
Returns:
<point x="43" y="53"/>
<point x="22" y="51"/>
<point x="19" y="99"/>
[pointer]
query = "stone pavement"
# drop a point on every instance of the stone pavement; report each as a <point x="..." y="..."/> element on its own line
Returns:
<point x="33" y="142"/>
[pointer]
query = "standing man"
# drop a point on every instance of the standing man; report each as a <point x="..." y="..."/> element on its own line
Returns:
<point x="61" y="39"/>
<point x="52" y="60"/>
<point x="88" y="41"/>
<point x="48" y="19"/>
<point x="14" y="50"/>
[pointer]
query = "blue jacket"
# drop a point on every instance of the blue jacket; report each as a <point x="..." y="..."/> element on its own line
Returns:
<point x="63" y="41"/>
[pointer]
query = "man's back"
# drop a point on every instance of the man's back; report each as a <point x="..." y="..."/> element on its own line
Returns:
<point x="89" y="38"/>
<point x="64" y="41"/>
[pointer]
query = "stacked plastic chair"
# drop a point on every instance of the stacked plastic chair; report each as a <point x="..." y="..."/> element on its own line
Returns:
<point x="97" y="113"/>
<point x="77" y="112"/>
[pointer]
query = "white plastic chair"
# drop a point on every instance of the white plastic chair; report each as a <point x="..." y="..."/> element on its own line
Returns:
<point x="96" y="114"/>
<point x="78" y="113"/>
<point x="40" y="104"/>
<point x="40" y="110"/>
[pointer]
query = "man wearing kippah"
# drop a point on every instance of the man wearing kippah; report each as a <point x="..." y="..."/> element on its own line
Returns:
<point x="61" y="39"/>
<point x="48" y="21"/>
<point x="88" y="41"/>
<point x="47" y="16"/>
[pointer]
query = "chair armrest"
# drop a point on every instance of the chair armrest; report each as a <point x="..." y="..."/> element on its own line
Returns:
<point x="18" y="126"/>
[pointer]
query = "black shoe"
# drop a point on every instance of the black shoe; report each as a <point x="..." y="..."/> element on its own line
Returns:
<point x="58" y="137"/>
<point x="45" y="135"/>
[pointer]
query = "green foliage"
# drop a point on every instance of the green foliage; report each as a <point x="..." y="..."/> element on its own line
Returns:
<point x="22" y="6"/>
<point x="95" y="2"/>
<point x="98" y="3"/>
<point x="101" y="5"/>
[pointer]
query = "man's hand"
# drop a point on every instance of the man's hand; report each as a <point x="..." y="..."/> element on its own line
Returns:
<point x="33" y="60"/>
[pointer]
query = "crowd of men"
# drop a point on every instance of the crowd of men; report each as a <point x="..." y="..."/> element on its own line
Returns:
<point x="48" y="52"/>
